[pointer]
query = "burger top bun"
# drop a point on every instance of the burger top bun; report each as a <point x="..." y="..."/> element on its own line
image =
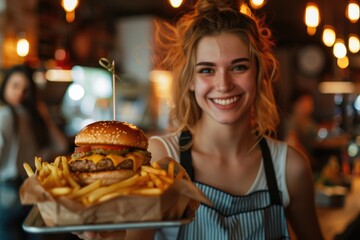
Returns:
<point x="113" y="133"/>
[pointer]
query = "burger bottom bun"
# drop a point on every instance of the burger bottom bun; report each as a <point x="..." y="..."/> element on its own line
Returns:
<point x="107" y="177"/>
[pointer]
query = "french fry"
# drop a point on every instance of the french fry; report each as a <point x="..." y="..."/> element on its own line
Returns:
<point x="96" y="194"/>
<point x="143" y="173"/>
<point x="38" y="165"/>
<point x="45" y="168"/>
<point x="49" y="182"/>
<point x="57" y="161"/>
<point x="154" y="170"/>
<point x="150" y="184"/>
<point x="155" y="165"/>
<point x="60" y="191"/>
<point x="167" y="179"/>
<point x="171" y="167"/>
<point x="28" y="169"/>
<point x="158" y="183"/>
<point x="79" y="192"/>
<point x="67" y="174"/>
<point x="147" y="191"/>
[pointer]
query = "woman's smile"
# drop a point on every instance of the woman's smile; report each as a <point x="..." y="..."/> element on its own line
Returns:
<point x="225" y="101"/>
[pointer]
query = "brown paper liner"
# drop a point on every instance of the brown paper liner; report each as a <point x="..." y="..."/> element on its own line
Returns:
<point x="181" y="197"/>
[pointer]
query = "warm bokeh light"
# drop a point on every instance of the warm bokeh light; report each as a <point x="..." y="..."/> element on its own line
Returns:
<point x="60" y="54"/>
<point x="69" y="5"/>
<point x="22" y="47"/>
<point x="175" y="3"/>
<point x="352" y="11"/>
<point x="162" y="83"/>
<point x="70" y="16"/>
<point x="57" y="75"/>
<point x="343" y="62"/>
<point x="354" y="43"/>
<point x="328" y="36"/>
<point x="256" y="4"/>
<point x="312" y="15"/>
<point x="336" y="87"/>
<point x="339" y="49"/>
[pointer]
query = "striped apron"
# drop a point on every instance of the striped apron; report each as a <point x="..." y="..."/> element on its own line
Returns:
<point x="259" y="215"/>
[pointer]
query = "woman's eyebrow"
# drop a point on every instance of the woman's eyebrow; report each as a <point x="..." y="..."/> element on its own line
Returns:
<point x="209" y="64"/>
<point x="237" y="60"/>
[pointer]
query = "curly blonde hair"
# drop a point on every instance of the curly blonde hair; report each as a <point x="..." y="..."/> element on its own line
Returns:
<point x="179" y="42"/>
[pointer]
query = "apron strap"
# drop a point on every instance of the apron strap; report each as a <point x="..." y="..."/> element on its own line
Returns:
<point x="185" y="156"/>
<point x="270" y="173"/>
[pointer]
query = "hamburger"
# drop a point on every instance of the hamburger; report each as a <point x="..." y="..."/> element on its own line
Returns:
<point x="108" y="150"/>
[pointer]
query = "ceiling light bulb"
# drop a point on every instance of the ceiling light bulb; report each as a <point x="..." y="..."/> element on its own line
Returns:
<point x="312" y="15"/>
<point x="329" y="36"/>
<point x="339" y="49"/>
<point x="22" y="47"/>
<point x="354" y="43"/>
<point x="256" y="4"/>
<point x="343" y="62"/>
<point x="69" y="5"/>
<point x="176" y="3"/>
<point x="352" y="11"/>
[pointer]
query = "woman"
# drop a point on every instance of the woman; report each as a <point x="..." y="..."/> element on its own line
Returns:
<point x="223" y="118"/>
<point x="26" y="131"/>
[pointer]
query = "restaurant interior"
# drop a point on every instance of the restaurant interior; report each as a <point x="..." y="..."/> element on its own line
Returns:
<point x="65" y="41"/>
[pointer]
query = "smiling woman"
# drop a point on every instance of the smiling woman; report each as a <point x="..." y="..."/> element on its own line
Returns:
<point x="223" y="69"/>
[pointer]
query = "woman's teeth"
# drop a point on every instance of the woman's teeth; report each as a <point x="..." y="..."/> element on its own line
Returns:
<point x="225" y="101"/>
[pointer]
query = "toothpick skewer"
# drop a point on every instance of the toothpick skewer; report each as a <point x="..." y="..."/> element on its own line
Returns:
<point x="105" y="63"/>
<point x="114" y="92"/>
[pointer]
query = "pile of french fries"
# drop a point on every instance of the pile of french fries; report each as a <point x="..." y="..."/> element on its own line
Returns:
<point x="56" y="178"/>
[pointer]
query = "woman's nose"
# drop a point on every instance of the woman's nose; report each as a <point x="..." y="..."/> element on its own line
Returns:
<point x="224" y="82"/>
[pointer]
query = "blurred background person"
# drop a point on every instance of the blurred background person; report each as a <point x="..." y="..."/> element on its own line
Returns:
<point x="301" y="128"/>
<point x="26" y="131"/>
<point x="317" y="140"/>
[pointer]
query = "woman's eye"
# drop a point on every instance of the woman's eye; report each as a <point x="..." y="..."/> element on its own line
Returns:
<point x="206" y="70"/>
<point x="240" y="68"/>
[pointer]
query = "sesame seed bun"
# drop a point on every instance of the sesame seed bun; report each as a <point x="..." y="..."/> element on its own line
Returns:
<point x="112" y="133"/>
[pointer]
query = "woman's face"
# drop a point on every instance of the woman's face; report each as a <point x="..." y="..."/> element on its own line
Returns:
<point x="225" y="78"/>
<point x="15" y="89"/>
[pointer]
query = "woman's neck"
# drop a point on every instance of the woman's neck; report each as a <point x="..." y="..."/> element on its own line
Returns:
<point x="235" y="138"/>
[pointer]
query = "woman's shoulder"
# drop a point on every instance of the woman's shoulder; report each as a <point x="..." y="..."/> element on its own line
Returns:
<point x="297" y="162"/>
<point x="295" y="159"/>
<point x="277" y="146"/>
<point x="5" y="112"/>
<point x="167" y="138"/>
<point x="4" y="107"/>
<point x="165" y="145"/>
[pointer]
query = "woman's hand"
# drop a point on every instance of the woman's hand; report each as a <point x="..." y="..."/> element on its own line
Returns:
<point x="89" y="235"/>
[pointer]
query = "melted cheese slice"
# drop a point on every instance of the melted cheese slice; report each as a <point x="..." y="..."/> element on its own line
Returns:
<point x="136" y="157"/>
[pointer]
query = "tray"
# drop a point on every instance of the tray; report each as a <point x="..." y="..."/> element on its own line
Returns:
<point x="35" y="224"/>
